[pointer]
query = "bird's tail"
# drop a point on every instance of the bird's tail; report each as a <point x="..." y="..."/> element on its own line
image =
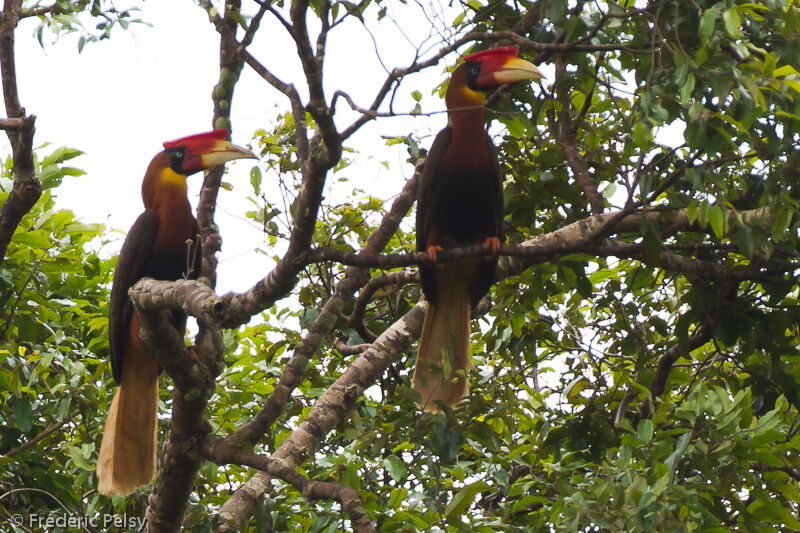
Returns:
<point x="127" y="458"/>
<point x="444" y="361"/>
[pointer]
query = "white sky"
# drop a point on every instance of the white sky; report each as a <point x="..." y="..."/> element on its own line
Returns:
<point x="120" y="99"/>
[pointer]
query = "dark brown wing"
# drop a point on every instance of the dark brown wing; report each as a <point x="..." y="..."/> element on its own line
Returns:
<point x="484" y="275"/>
<point x="499" y="207"/>
<point x="425" y="195"/>
<point x="130" y="268"/>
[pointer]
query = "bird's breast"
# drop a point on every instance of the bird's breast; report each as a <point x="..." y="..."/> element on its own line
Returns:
<point x="175" y="219"/>
<point x="464" y="206"/>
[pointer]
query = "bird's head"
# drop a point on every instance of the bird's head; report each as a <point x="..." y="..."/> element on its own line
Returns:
<point x="166" y="175"/>
<point x="483" y="71"/>
<point x="202" y="151"/>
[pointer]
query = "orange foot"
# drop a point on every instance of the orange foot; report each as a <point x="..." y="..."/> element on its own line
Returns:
<point x="493" y="243"/>
<point x="433" y="251"/>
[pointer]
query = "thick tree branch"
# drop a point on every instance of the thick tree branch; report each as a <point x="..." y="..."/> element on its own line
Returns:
<point x="26" y="189"/>
<point x="790" y="471"/>
<point x="239" y="505"/>
<point x="315" y="158"/>
<point x="331" y="408"/>
<point x="328" y="149"/>
<point x="12" y="124"/>
<point x="230" y="68"/>
<point x="530" y="19"/>
<point x="324" y="323"/>
<point x="588" y="235"/>
<point x="193" y="373"/>
<point x="696" y="268"/>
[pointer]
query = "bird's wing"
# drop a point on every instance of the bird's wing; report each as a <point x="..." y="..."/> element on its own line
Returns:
<point x="425" y="193"/>
<point x="132" y="259"/>
<point x="498" y="199"/>
<point x="427" y="184"/>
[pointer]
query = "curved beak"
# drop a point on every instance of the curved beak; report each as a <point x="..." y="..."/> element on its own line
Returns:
<point x="511" y="69"/>
<point x="210" y="154"/>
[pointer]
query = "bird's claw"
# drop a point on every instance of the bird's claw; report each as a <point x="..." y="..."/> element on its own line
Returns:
<point x="433" y="251"/>
<point x="493" y="243"/>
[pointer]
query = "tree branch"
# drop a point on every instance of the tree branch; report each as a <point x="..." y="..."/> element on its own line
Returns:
<point x="193" y="373"/>
<point x="331" y="408"/>
<point x="13" y="124"/>
<point x="370" y="364"/>
<point x="194" y="384"/>
<point x="239" y="505"/>
<point x="588" y="235"/>
<point x="221" y="451"/>
<point x="326" y="320"/>
<point x="566" y="139"/>
<point x="790" y="471"/>
<point x="395" y="279"/>
<point x="53" y="426"/>
<point x="40" y="11"/>
<point x="27" y="188"/>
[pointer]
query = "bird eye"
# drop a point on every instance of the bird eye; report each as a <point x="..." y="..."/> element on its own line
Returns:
<point x="474" y="70"/>
<point x="179" y="154"/>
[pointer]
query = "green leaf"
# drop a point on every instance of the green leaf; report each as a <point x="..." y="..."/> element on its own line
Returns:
<point x="642" y="135"/>
<point x="78" y="459"/>
<point x="644" y="431"/>
<point x="680" y="447"/>
<point x="255" y="179"/>
<point x="396" y="497"/>
<point x="651" y="239"/>
<point x="781" y="224"/>
<point x="692" y="211"/>
<point x="32" y="240"/>
<point x="708" y="21"/>
<point x="396" y="467"/>
<point x="23" y="413"/>
<point x="744" y="239"/>
<point x="687" y="88"/>
<point x="792" y="84"/>
<point x="463" y="499"/>
<point x="732" y="22"/>
<point x="785" y="70"/>
<point x="350" y="477"/>
<point x="716" y="216"/>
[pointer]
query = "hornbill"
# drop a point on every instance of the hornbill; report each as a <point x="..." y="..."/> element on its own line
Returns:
<point x="163" y="244"/>
<point x="460" y="203"/>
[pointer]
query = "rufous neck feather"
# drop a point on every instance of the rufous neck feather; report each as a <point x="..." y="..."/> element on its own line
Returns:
<point x="162" y="185"/>
<point x="464" y="105"/>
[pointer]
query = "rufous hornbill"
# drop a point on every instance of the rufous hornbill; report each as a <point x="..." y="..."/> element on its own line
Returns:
<point x="460" y="203"/>
<point x="163" y="244"/>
